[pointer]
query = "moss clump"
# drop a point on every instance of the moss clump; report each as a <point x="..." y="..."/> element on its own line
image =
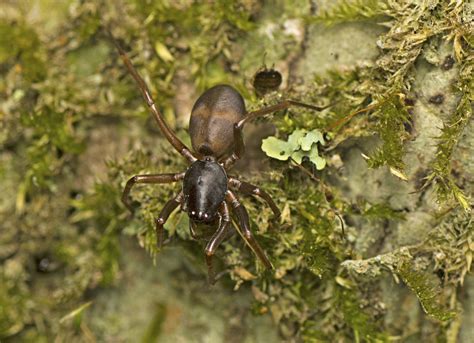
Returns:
<point x="441" y="175"/>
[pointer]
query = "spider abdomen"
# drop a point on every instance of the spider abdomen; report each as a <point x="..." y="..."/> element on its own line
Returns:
<point x="204" y="188"/>
<point x="212" y="120"/>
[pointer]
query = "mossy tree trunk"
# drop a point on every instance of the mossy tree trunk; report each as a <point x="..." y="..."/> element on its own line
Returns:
<point x="375" y="246"/>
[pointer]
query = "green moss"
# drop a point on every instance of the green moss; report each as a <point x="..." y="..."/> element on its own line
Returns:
<point x="427" y="291"/>
<point x="381" y="211"/>
<point x="352" y="10"/>
<point x="20" y="44"/>
<point x="441" y="174"/>
<point x="391" y="118"/>
<point x="13" y="312"/>
<point x="389" y="81"/>
<point x="204" y="33"/>
<point x="363" y="324"/>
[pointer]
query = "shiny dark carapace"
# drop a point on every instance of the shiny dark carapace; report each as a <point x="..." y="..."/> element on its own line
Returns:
<point x="204" y="188"/>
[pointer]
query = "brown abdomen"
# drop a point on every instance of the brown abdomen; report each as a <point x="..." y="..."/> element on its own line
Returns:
<point x="212" y="120"/>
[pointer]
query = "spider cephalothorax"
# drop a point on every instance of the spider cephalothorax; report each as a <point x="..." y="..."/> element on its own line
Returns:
<point x="207" y="196"/>
<point x="204" y="189"/>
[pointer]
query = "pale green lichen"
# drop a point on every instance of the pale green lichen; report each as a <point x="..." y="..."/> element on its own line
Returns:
<point x="300" y="144"/>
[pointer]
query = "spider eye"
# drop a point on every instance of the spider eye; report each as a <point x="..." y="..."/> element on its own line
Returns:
<point x="199" y="216"/>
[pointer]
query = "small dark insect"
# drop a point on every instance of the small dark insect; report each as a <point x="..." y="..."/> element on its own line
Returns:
<point x="266" y="80"/>
<point x="208" y="193"/>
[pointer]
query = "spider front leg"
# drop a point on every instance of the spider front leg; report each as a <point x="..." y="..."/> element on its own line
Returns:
<point x="250" y="189"/>
<point x="216" y="239"/>
<point x="244" y="223"/>
<point x="167" y="132"/>
<point x="150" y="179"/>
<point x="169" y="207"/>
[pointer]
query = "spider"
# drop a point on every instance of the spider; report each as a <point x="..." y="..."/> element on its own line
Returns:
<point x="208" y="192"/>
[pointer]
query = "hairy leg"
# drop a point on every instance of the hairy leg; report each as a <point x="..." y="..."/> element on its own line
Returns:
<point x="150" y="179"/>
<point x="244" y="223"/>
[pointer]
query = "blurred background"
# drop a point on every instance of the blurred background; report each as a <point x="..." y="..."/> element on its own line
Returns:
<point x="374" y="246"/>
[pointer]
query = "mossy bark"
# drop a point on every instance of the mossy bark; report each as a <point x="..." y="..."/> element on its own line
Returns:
<point x="361" y="253"/>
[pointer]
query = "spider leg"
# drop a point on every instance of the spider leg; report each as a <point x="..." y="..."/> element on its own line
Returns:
<point x="239" y="148"/>
<point x="248" y="188"/>
<point x="169" y="207"/>
<point x="238" y="139"/>
<point x="279" y="107"/>
<point x="170" y="135"/>
<point x="244" y="223"/>
<point x="151" y="179"/>
<point x="216" y="239"/>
